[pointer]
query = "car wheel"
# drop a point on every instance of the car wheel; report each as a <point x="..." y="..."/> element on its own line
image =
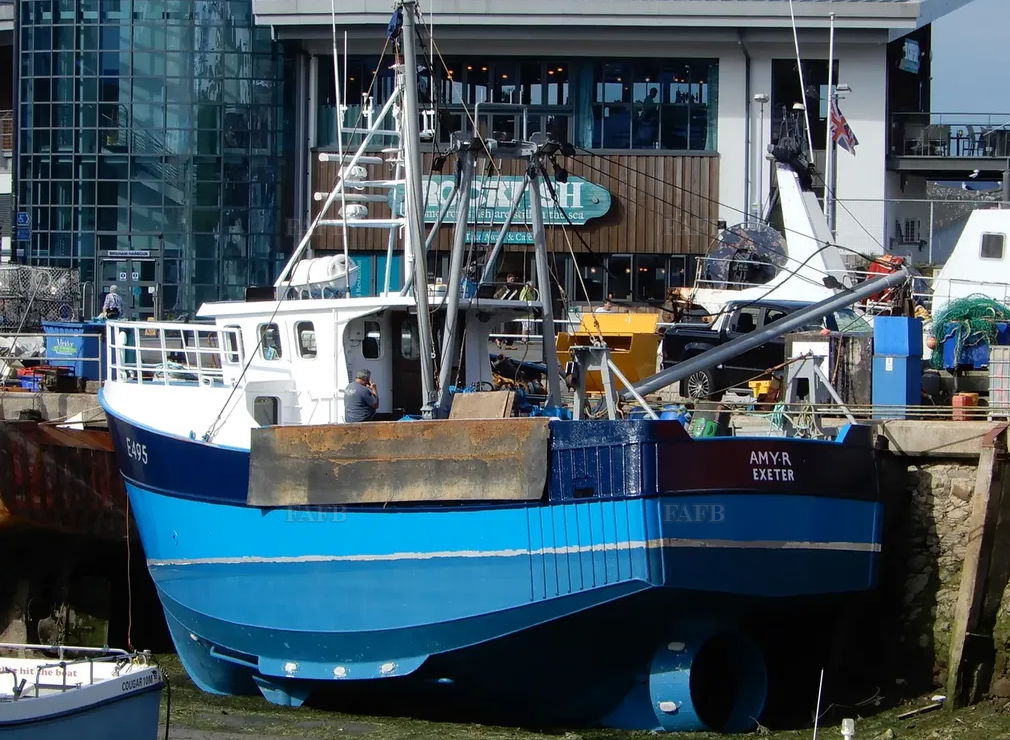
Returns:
<point x="699" y="384"/>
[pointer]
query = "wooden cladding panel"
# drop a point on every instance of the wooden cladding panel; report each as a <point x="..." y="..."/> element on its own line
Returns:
<point x="659" y="205"/>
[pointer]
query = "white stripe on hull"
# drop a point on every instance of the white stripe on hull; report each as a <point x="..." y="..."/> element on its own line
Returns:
<point x="569" y="550"/>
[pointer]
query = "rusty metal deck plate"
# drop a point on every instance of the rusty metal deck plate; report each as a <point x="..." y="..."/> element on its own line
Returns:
<point x="399" y="462"/>
<point x="60" y="479"/>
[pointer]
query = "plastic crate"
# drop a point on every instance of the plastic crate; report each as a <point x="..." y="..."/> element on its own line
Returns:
<point x="31" y="382"/>
<point x="999" y="381"/>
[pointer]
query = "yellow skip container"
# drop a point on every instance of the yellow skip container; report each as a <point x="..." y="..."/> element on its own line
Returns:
<point x="632" y="339"/>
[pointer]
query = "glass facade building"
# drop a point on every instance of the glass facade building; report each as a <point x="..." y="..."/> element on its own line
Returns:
<point x="627" y="104"/>
<point x="152" y="147"/>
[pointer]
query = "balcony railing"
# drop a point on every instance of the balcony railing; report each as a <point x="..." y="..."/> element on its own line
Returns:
<point x="968" y="135"/>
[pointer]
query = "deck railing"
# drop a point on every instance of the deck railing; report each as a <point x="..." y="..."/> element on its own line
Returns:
<point x="969" y="135"/>
<point x="18" y="346"/>
<point x="171" y="354"/>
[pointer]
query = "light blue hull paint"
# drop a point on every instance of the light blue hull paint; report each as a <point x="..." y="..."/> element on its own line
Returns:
<point x="635" y="541"/>
<point x="135" y="716"/>
<point x="372" y="587"/>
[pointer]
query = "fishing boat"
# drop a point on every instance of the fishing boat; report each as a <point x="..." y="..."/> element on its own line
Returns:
<point x="601" y="571"/>
<point x="80" y="692"/>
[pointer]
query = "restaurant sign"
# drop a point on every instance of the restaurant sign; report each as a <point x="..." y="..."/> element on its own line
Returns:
<point x="491" y="198"/>
<point x="490" y="236"/>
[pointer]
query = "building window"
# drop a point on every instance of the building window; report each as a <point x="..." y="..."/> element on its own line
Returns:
<point x="786" y="93"/>
<point x="619" y="277"/>
<point x="655" y="104"/>
<point x="651" y="277"/>
<point x="154" y="127"/>
<point x="305" y="335"/>
<point x="910" y="233"/>
<point x="615" y="104"/>
<point x="992" y="246"/>
<point x="592" y="273"/>
<point x="270" y="342"/>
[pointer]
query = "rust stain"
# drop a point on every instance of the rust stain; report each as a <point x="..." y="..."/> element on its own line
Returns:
<point x="60" y="479"/>
<point x="485" y="459"/>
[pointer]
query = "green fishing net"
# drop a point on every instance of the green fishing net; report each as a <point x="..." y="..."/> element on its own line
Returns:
<point x="970" y="321"/>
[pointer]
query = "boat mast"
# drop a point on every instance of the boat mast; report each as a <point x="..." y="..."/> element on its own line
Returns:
<point x="414" y="206"/>
<point x="550" y="351"/>
<point x="465" y="165"/>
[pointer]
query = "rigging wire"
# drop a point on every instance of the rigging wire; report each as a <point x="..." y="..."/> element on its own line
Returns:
<point x="339" y="105"/>
<point x="663" y="305"/>
<point x="786" y="231"/>
<point x="217" y="424"/>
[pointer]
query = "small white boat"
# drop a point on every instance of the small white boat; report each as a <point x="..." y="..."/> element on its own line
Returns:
<point x="96" y="694"/>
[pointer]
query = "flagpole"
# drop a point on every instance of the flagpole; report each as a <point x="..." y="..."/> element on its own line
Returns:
<point x="830" y="151"/>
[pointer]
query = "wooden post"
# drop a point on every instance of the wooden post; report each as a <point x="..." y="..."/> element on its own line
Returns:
<point x="971" y="643"/>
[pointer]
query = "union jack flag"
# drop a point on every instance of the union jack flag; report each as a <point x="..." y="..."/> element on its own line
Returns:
<point x="841" y="134"/>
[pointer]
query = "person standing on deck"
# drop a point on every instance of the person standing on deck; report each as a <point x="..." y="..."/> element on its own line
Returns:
<point x="112" y="308"/>
<point x="361" y="398"/>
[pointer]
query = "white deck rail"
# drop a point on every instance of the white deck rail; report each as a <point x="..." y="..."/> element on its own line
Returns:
<point x="172" y="353"/>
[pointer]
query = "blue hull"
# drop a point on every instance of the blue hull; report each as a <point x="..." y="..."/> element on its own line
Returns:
<point x="278" y="599"/>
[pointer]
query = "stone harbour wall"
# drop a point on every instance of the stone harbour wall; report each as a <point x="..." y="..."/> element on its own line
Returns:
<point x="928" y="548"/>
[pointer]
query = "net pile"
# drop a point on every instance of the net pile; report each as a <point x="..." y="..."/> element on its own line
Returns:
<point x="30" y="295"/>
<point x="970" y="321"/>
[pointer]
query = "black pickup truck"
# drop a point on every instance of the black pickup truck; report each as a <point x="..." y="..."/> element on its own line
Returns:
<point x="684" y="341"/>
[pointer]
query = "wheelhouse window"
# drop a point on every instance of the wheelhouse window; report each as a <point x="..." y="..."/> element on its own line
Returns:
<point x="270" y="342"/>
<point x="409" y="346"/>
<point x="233" y="345"/>
<point x="371" y="347"/>
<point x="992" y="246"/>
<point x="305" y="334"/>
<point x="266" y="410"/>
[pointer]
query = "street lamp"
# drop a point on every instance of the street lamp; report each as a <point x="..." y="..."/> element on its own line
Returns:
<point x="758" y="206"/>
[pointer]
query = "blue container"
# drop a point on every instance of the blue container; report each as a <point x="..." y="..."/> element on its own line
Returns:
<point x="31" y="382"/>
<point x="68" y="344"/>
<point x="975" y="356"/>
<point x="897" y="381"/>
<point x="899" y="336"/>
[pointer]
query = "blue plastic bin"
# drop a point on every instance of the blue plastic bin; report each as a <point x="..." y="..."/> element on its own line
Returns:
<point x="897" y="381"/>
<point x="898" y="336"/>
<point x="975" y="356"/>
<point x="68" y="345"/>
